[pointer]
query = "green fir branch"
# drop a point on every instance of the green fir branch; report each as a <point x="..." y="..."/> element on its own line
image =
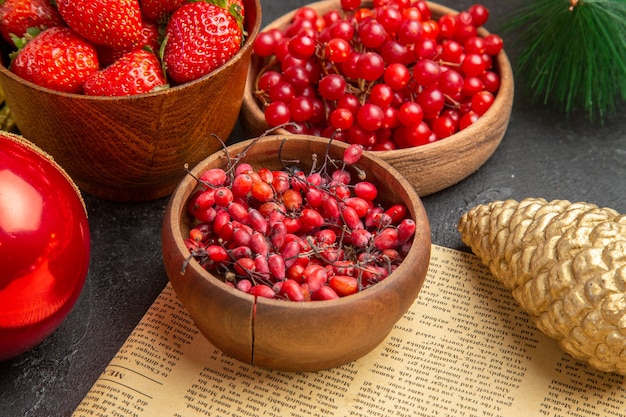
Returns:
<point x="572" y="53"/>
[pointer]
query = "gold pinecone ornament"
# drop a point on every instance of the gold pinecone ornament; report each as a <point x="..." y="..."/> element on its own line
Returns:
<point x="565" y="264"/>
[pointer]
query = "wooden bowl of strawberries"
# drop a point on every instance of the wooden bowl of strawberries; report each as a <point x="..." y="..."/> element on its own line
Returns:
<point x="295" y="253"/>
<point x="426" y="88"/>
<point x="124" y="108"/>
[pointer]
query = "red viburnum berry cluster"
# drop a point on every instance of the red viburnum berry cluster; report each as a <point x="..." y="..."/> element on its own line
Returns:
<point x="119" y="47"/>
<point x="296" y="235"/>
<point x="385" y="77"/>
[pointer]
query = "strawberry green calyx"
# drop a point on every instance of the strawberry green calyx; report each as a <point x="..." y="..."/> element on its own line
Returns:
<point x="20" y="42"/>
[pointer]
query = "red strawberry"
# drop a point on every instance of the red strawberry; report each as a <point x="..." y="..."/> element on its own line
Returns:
<point x="56" y="58"/>
<point x="18" y="15"/>
<point x="159" y="10"/>
<point x="136" y="72"/>
<point x="149" y="37"/>
<point x="199" y="38"/>
<point x="234" y="6"/>
<point x="114" y="23"/>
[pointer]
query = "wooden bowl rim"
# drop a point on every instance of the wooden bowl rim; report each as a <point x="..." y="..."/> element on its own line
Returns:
<point x="177" y="207"/>
<point x="247" y="45"/>
<point x="502" y="103"/>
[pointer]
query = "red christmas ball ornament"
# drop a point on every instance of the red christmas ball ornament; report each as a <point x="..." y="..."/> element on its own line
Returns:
<point x="44" y="245"/>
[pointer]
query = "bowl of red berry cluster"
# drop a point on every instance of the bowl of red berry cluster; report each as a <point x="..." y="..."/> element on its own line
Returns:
<point x="426" y="88"/>
<point x="295" y="253"/>
<point x="125" y="101"/>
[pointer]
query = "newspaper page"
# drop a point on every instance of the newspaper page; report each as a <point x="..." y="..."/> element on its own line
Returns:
<point x="463" y="349"/>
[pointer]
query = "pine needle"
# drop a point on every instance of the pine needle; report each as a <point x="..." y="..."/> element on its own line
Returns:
<point x="573" y="53"/>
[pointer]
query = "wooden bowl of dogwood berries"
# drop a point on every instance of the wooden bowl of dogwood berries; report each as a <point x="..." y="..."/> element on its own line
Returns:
<point x="426" y="88"/>
<point x="123" y="93"/>
<point x="295" y="253"/>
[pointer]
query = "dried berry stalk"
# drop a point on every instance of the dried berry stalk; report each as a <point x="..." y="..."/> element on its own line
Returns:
<point x="565" y="264"/>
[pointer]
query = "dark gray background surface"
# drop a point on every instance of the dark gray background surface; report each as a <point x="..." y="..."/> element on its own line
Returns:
<point x="543" y="154"/>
